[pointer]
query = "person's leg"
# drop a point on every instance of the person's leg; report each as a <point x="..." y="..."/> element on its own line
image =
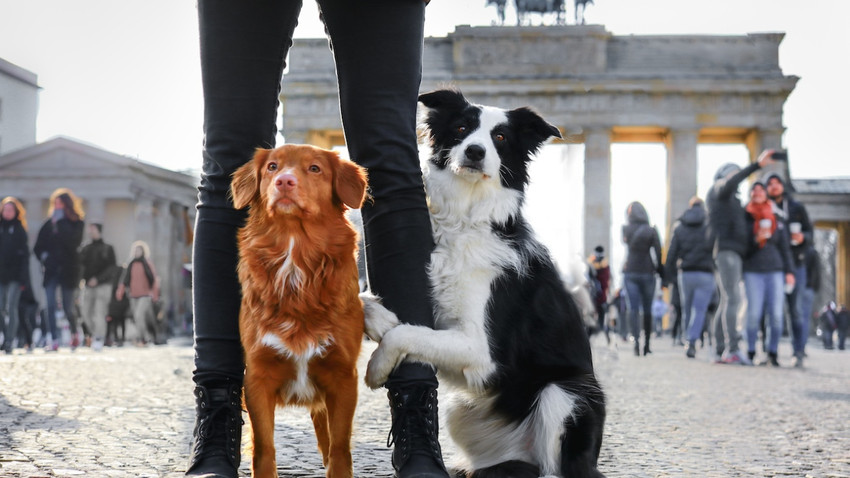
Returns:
<point x="806" y="302"/>
<point x="633" y="301"/>
<point x="774" y="301"/>
<point x="379" y="83"/>
<point x="729" y="266"/>
<point x="794" y="302"/>
<point x="687" y="286"/>
<point x="756" y="289"/>
<point x="13" y="295"/>
<point x="50" y="294"/>
<point x="702" y="292"/>
<point x="88" y="299"/>
<point x="4" y="300"/>
<point x="243" y="48"/>
<point x="69" y="295"/>
<point x="647" y="294"/>
<point x="99" y="311"/>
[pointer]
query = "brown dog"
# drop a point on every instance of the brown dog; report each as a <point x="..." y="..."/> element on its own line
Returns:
<point x="301" y="320"/>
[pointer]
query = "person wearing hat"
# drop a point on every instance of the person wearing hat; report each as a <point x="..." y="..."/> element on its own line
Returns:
<point x="795" y="218"/>
<point x="728" y="227"/>
<point x="767" y="269"/>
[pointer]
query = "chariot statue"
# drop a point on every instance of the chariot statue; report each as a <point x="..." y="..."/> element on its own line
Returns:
<point x="555" y="9"/>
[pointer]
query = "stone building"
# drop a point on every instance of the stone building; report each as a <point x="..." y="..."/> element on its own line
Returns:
<point x="132" y="199"/>
<point x="599" y="89"/>
<point x="18" y="106"/>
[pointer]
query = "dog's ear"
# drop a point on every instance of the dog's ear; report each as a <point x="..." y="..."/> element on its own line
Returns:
<point x="444" y="99"/>
<point x="533" y="129"/>
<point x="245" y="185"/>
<point x="349" y="183"/>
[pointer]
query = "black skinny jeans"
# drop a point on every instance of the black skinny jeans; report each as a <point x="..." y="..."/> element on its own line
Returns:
<point x="377" y="47"/>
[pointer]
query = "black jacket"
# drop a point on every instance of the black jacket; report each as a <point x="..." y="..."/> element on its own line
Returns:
<point x="57" y="248"/>
<point x="642" y="243"/>
<point x="691" y="247"/>
<point x="98" y="261"/>
<point x="726" y="215"/>
<point x="775" y="256"/>
<point x="792" y="210"/>
<point x="14" y="252"/>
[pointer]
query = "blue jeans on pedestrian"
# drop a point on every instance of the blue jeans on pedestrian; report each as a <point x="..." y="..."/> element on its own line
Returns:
<point x="10" y="294"/>
<point x="50" y="290"/>
<point x="640" y="290"/>
<point x="696" y="289"/>
<point x="765" y="294"/>
<point x="802" y="311"/>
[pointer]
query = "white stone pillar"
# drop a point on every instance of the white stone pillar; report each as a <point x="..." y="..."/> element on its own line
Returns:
<point x="681" y="173"/>
<point x="597" y="189"/>
<point x="145" y="226"/>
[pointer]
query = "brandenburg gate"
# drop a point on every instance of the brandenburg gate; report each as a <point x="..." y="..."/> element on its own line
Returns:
<point x="598" y="88"/>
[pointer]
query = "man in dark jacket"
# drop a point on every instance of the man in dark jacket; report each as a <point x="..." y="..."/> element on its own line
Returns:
<point x="728" y="227"/>
<point x="690" y="261"/>
<point x="98" y="263"/>
<point x="796" y="220"/>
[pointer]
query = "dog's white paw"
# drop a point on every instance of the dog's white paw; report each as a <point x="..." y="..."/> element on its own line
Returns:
<point x="381" y="364"/>
<point x="379" y="320"/>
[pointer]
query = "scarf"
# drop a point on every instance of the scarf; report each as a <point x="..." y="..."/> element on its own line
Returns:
<point x="759" y="212"/>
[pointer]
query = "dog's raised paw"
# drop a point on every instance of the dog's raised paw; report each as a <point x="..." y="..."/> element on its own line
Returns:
<point x="379" y="320"/>
<point x="381" y="364"/>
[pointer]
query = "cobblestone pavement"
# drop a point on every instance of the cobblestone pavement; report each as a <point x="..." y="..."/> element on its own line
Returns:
<point x="128" y="413"/>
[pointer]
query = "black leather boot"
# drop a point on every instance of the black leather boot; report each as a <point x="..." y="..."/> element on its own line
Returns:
<point x="217" y="437"/>
<point x="415" y="432"/>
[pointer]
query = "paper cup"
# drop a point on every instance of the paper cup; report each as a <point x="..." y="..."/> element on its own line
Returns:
<point x="765" y="223"/>
<point x="795" y="228"/>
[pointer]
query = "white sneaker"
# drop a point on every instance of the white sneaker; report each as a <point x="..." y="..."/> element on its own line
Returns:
<point x="97" y="345"/>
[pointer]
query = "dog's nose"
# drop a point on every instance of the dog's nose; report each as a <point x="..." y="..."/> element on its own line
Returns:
<point x="475" y="153"/>
<point x="286" y="181"/>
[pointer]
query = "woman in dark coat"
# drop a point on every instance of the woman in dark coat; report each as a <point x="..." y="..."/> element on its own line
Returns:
<point x="14" y="266"/>
<point x="57" y="248"/>
<point x="640" y="269"/>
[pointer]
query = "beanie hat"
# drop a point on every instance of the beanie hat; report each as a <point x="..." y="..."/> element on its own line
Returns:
<point x="772" y="175"/>
<point x="725" y="170"/>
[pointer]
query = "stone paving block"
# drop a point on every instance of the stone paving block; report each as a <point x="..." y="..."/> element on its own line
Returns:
<point x="128" y="412"/>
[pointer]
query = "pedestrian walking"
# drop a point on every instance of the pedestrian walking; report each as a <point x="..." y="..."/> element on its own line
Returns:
<point x="14" y="267"/>
<point x="601" y="274"/>
<point x="728" y="226"/>
<point x="57" y="248"/>
<point x="98" y="264"/>
<point x="640" y="271"/>
<point x="690" y="263"/>
<point x="117" y="312"/>
<point x="141" y="284"/>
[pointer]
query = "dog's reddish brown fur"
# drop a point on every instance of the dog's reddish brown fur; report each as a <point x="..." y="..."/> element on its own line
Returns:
<point x="301" y="320"/>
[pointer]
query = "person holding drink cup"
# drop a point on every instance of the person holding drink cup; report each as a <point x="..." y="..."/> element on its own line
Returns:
<point x="801" y="235"/>
<point x="768" y="270"/>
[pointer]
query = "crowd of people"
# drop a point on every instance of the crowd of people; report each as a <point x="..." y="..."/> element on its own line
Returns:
<point x="82" y="283"/>
<point x="724" y="255"/>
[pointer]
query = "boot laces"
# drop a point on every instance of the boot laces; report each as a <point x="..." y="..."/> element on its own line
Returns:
<point x="219" y="423"/>
<point x="414" y="425"/>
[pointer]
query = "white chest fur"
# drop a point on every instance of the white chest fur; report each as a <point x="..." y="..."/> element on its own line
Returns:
<point x="302" y="388"/>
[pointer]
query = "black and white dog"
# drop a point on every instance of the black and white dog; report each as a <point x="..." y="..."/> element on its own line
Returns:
<point x="509" y="336"/>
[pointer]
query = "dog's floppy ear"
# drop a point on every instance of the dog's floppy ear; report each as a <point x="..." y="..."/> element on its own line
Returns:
<point x="533" y="128"/>
<point x="349" y="183"/>
<point x="444" y="99"/>
<point x="246" y="182"/>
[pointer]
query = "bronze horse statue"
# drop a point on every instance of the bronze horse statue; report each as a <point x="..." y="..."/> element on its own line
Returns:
<point x="543" y="7"/>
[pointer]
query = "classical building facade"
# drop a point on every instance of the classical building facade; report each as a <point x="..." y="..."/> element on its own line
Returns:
<point x="133" y="200"/>
<point x="598" y="88"/>
<point x="18" y="106"/>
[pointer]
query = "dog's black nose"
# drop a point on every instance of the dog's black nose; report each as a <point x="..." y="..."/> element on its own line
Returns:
<point x="475" y="153"/>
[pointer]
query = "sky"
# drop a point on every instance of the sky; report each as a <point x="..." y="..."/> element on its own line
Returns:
<point x="124" y="75"/>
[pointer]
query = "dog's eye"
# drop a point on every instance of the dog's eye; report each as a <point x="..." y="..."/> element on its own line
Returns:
<point x="461" y="129"/>
<point x="499" y="137"/>
<point x="315" y="169"/>
<point x="272" y="167"/>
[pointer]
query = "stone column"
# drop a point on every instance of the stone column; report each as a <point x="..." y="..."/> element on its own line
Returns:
<point x="145" y="227"/>
<point x="767" y="138"/>
<point x="95" y="210"/>
<point x="681" y="173"/>
<point x="597" y="189"/>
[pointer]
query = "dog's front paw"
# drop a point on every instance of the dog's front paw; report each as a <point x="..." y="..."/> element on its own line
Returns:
<point x="379" y="320"/>
<point x="383" y="361"/>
